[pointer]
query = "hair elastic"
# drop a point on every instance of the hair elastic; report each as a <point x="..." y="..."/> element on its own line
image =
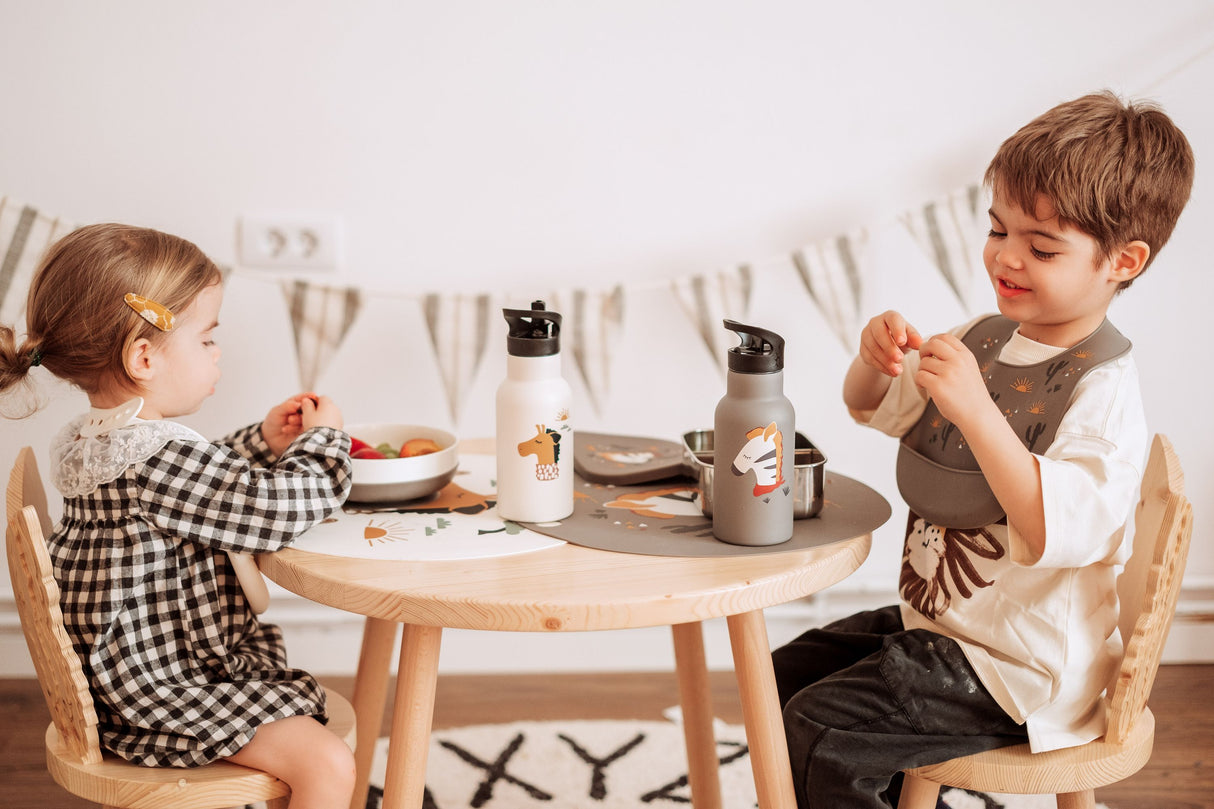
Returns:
<point x="35" y="358"/>
<point x="154" y="313"/>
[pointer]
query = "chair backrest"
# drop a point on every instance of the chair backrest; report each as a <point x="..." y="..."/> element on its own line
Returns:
<point x="60" y="674"/>
<point x="1150" y="585"/>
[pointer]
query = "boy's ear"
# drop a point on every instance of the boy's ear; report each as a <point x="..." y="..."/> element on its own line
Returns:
<point x="1129" y="260"/>
<point x="140" y="360"/>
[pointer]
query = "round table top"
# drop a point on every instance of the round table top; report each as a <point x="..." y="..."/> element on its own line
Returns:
<point x="568" y="588"/>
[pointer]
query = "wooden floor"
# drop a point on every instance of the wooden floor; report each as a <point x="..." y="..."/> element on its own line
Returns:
<point x="1180" y="774"/>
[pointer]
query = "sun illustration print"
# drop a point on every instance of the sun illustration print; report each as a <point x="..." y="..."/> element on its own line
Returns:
<point x="386" y="531"/>
<point x="1023" y="384"/>
<point x="1083" y="353"/>
<point x="1037" y="408"/>
<point x="937" y="422"/>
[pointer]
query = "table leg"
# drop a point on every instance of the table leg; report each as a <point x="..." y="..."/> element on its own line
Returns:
<point x="761" y="710"/>
<point x="412" y="717"/>
<point x="370" y="693"/>
<point x="695" y="698"/>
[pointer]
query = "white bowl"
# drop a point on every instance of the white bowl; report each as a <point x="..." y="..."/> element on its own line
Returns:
<point x="382" y="480"/>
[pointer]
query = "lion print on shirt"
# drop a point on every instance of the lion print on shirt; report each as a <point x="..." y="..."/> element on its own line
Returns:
<point x="936" y="564"/>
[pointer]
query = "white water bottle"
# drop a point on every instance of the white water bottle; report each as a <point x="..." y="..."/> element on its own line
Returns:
<point x="534" y="434"/>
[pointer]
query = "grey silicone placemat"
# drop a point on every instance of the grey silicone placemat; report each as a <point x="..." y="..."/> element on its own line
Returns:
<point x="625" y="459"/>
<point x="662" y="519"/>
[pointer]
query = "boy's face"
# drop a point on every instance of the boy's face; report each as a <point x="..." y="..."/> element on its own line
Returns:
<point x="1048" y="276"/>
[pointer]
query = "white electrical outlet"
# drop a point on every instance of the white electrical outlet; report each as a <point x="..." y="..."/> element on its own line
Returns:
<point x="289" y="241"/>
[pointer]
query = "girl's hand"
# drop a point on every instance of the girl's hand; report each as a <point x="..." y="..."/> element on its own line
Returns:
<point x="320" y="411"/>
<point x="949" y="373"/>
<point x="885" y="341"/>
<point x="284" y="423"/>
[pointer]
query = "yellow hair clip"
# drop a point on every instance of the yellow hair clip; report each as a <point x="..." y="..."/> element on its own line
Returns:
<point x="149" y="310"/>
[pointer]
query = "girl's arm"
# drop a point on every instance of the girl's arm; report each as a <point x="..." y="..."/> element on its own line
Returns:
<point x="212" y="495"/>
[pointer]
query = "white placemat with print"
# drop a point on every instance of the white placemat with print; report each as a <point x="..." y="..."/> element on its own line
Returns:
<point x="460" y="522"/>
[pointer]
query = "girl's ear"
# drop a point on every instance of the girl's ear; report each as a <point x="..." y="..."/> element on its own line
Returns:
<point x="1129" y="260"/>
<point x="139" y="360"/>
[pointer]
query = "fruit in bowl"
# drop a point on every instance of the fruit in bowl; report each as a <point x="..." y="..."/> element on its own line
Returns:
<point x="397" y="462"/>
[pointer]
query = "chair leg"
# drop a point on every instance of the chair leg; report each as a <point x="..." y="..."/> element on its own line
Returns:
<point x="919" y="793"/>
<point x="1077" y="800"/>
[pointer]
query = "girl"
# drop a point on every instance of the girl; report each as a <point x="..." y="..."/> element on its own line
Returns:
<point x="181" y="671"/>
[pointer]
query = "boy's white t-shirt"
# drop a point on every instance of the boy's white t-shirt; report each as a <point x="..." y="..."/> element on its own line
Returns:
<point x="1043" y="636"/>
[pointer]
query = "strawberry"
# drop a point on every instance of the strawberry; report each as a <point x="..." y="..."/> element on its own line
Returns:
<point x="357" y="444"/>
<point x="367" y="453"/>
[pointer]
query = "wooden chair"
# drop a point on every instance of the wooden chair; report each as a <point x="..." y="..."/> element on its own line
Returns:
<point x="1148" y="590"/>
<point x="73" y="754"/>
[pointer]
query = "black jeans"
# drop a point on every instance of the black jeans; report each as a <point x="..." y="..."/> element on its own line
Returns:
<point x="865" y="698"/>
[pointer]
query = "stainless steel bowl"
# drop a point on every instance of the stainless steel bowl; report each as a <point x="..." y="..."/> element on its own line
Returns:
<point x="809" y="463"/>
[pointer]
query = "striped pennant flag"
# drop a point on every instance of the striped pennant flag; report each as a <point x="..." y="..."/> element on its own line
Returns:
<point x="320" y="318"/>
<point x="25" y="234"/>
<point x="709" y="299"/>
<point x="591" y="322"/>
<point x="458" y="326"/>
<point x="830" y="271"/>
<point x="952" y="231"/>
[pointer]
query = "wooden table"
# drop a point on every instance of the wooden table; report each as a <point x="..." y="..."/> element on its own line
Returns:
<point x="567" y="588"/>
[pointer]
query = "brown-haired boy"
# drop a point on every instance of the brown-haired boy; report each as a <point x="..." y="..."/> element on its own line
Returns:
<point x="1022" y="444"/>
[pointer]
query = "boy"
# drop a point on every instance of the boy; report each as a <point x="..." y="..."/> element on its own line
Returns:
<point x="1023" y="440"/>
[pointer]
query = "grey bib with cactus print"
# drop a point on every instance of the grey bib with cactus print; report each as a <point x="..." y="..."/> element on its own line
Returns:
<point x="938" y="475"/>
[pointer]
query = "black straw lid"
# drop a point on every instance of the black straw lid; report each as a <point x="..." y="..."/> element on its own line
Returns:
<point x="761" y="351"/>
<point x="534" y="332"/>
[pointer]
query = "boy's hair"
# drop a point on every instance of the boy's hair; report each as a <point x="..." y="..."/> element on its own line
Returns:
<point x="1118" y="171"/>
<point x="78" y="324"/>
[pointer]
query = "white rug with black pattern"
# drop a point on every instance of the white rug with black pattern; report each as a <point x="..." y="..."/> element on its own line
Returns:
<point x="616" y="764"/>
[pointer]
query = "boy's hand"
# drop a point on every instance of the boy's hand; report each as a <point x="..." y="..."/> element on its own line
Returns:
<point x="949" y="373"/>
<point x="885" y="341"/>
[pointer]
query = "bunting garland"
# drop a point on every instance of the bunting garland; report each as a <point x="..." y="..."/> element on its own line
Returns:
<point x="25" y="234"/>
<point x="320" y="318"/>
<point x="706" y="300"/>
<point x="458" y="326"/>
<point x="591" y="327"/>
<point x="831" y="275"/>
<point x="832" y="272"/>
<point x="951" y="231"/>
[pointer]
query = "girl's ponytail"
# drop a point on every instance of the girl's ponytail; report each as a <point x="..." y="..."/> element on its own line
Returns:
<point x="15" y="364"/>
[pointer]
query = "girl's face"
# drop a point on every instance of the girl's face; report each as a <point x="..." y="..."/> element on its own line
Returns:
<point x="186" y="363"/>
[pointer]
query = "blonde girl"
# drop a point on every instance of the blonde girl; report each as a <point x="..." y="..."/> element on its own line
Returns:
<point x="181" y="671"/>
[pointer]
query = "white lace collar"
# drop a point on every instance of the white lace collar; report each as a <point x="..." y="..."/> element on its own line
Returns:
<point x="100" y="445"/>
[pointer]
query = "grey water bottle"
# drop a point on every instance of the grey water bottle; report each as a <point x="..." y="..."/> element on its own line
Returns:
<point x="754" y="433"/>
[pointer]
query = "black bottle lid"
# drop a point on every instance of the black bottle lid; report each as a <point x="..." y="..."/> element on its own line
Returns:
<point x="534" y="332"/>
<point x="761" y="351"/>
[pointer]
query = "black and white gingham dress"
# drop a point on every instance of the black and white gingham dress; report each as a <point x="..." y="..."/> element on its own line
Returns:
<point x="181" y="671"/>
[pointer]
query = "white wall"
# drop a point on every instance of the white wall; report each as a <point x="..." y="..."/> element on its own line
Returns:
<point x="518" y="147"/>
